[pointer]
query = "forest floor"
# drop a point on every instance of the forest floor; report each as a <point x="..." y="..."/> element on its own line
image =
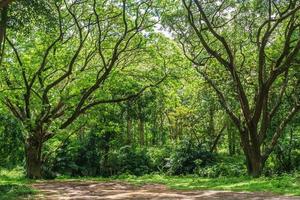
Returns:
<point x="89" y="190"/>
<point x="13" y="185"/>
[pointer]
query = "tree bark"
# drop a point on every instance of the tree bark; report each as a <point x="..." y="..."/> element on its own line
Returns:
<point x="255" y="165"/>
<point x="3" y="24"/>
<point x="33" y="158"/>
<point x="254" y="159"/>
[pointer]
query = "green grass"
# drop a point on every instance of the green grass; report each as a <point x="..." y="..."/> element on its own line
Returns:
<point x="13" y="185"/>
<point x="286" y="185"/>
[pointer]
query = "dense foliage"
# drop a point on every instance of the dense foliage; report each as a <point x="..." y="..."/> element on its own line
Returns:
<point x="104" y="88"/>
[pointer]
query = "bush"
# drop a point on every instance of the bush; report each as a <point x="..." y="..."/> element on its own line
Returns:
<point x="225" y="166"/>
<point x="187" y="156"/>
<point x="129" y="160"/>
<point x="77" y="158"/>
<point x="159" y="158"/>
<point x="221" y="169"/>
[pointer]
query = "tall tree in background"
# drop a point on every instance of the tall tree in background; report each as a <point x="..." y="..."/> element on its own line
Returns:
<point x="58" y="74"/>
<point x="249" y="54"/>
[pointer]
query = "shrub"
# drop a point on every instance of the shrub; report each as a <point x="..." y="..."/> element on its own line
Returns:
<point x="187" y="156"/>
<point x="159" y="157"/>
<point x="132" y="160"/>
<point x="224" y="166"/>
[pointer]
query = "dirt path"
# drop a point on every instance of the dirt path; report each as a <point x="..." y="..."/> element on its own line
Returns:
<point x="116" y="190"/>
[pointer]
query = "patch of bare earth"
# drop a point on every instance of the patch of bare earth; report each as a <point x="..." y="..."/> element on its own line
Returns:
<point x="89" y="190"/>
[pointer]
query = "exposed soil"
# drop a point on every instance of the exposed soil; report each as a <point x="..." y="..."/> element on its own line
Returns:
<point x="90" y="190"/>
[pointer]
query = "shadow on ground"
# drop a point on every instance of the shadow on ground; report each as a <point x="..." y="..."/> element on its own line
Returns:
<point x="90" y="190"/>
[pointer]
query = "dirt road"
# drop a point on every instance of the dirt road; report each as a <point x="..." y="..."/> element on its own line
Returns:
<point x="53" y="190"/>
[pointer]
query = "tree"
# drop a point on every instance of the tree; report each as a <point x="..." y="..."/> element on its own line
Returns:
<point x="248" y="52"/>
<point x="50" y="82"/>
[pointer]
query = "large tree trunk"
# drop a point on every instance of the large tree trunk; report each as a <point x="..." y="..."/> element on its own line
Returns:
<point x="33" y="158"/>
<point x="255" y="165"/>
<point x="254" y="159"/>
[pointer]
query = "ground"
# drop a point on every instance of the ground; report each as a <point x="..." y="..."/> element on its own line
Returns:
<point x="89" y="190"/>
<point x="13" y="186"/>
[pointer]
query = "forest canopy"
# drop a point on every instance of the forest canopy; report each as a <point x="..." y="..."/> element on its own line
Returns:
<point x="105" y="87"/>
